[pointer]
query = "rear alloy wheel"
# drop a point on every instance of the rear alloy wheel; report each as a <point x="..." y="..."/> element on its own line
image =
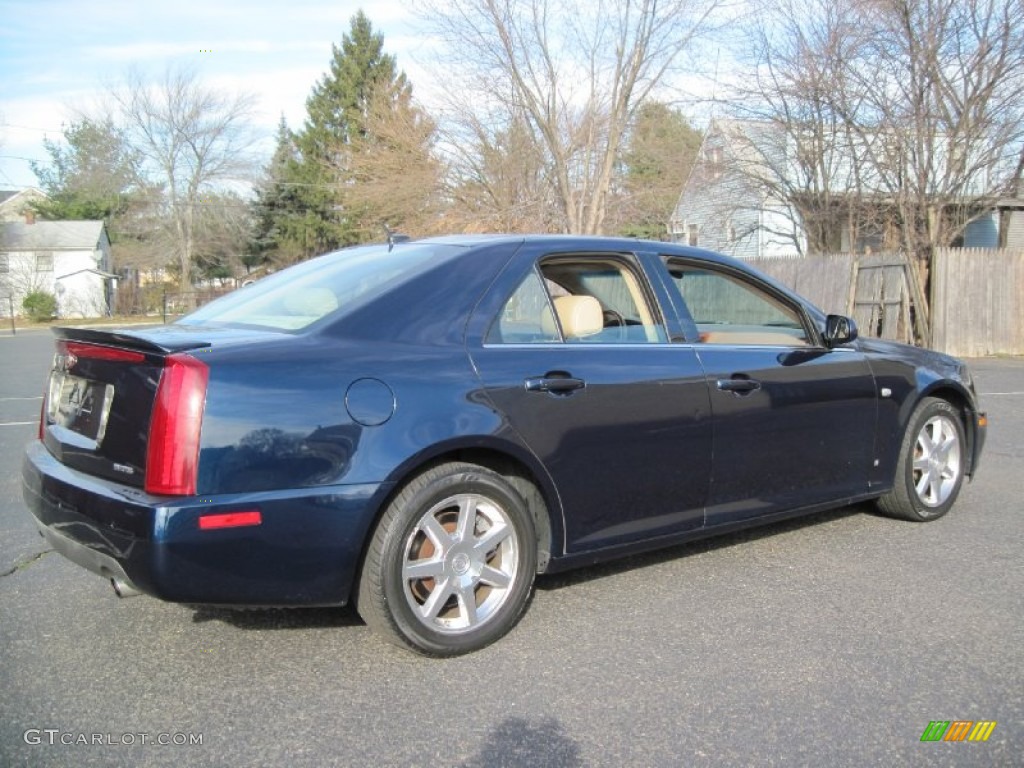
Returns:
<point x="930" y="470"/>
<point x="451" y="564"/>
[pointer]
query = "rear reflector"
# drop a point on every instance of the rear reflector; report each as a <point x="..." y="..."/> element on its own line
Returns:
<point x="230" y="520"/>
<point x="172" y="459"/>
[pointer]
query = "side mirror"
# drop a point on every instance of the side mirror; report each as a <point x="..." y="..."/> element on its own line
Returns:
<point x="839" y="330"/>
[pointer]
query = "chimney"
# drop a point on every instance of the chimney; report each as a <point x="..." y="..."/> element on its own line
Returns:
<point x="30" y="217"/>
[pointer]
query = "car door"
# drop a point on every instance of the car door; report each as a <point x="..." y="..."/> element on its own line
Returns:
<point x="794" y="421"/>
<point x="574" y="352"/>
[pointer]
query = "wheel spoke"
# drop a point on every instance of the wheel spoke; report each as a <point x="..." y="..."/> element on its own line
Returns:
<point x="491" y="538"/>
<point x="467" y="517"/>
<point x="946" y="445"/>
<point x="494" y="577"/>
<point x="431" y="568"/>
<point x="925" y="443"/>
<point x="438" y="597"/>
<point x="467" y="605"/>
<point x="925" y="489"/>
<point x="438" y="535"/>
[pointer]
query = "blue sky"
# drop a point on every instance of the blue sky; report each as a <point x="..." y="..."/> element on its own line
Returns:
<point x="57" y="56"/>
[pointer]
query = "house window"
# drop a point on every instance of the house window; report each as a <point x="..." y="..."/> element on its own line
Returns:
<point x="714" y="157"/>
<point x="5" y="264"/>
<point x="730" y="233"/>
<point x="44" y="261"/>
<point x="691" y="234"/>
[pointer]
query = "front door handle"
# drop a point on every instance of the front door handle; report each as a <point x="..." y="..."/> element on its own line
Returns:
<point x="739" y="386"/>
<point x="555" y="382"/>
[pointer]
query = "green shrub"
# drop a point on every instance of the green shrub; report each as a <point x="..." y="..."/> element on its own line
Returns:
<point x="40" y="306"/>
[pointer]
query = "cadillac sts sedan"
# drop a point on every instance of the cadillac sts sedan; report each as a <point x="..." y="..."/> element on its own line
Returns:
<point x="419" y="428"/>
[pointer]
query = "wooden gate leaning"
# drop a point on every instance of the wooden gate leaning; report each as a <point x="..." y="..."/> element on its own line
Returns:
<point x="882" y="299"/>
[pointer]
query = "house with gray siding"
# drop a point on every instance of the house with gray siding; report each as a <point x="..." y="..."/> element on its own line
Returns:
<point x="723" y="207"/>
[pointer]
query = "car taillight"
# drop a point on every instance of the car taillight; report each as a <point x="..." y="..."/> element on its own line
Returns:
<point x="77" y="349"/>
<point x="172" y="458"/>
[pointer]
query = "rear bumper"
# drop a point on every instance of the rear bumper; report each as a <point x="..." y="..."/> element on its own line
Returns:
<point x="305" y="551"/>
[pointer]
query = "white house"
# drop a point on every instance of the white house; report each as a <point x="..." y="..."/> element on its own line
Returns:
<point x="69" y="259"/>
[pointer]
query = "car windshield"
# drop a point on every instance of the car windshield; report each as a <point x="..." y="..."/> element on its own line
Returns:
<point x="330" y="285"/>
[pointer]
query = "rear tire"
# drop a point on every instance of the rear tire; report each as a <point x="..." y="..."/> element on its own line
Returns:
<point x="930" y="470"/>
<point x="451" y="564"/>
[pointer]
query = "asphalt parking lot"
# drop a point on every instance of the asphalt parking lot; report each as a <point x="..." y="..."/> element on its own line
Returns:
<point x="833" y="640"/>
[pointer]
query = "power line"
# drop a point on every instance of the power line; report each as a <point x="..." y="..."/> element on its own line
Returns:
<point x="31" y="128"/>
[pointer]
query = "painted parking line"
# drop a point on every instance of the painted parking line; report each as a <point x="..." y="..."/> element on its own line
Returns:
<point x="17" y="423"/>
<point x="1001" y="394"/>
<point x="37" y="397"/>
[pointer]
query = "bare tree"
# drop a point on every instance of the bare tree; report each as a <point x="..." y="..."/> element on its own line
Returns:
<point x="944" y="93"/>
<point x="498" y="179"/>
<point x="575" y="72"/>
<point x="394" y="177"/>
<point x="191" y="138"/>
<point x="897" y="118"/>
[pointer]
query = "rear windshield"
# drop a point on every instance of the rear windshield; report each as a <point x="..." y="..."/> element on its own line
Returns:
<point x="330" y="285"/>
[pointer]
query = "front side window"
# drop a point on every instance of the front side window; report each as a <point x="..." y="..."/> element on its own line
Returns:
<point x="729" y="310"/>
<point x="44" y="261"/>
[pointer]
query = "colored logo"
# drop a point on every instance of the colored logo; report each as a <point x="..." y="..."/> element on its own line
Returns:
<point x="958" y="730"/>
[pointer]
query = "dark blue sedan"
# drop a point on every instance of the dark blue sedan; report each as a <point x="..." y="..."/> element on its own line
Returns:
<point x="421" y="427"/>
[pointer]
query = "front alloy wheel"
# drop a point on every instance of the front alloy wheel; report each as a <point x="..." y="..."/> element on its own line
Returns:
<point x="937" y="465"/>
<point x="451" y="564"/>
<point x="930" y="470"/>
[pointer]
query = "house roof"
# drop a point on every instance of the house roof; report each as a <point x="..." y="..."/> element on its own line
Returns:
<point x="51" y="235"/>
<point x="28" y="192"/>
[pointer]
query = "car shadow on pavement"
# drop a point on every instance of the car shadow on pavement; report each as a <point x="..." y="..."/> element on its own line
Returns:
<point x="279" y="618"/>
<point x="518" y="742"/>
<point x="712" y="543"/>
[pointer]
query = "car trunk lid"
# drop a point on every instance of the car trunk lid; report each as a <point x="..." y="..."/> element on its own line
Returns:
<point x="127" y="405"/>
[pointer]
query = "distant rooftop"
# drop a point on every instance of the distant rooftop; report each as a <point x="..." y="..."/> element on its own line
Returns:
<point x="51" y="235"/>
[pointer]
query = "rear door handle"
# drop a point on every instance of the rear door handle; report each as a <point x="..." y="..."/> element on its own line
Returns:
<point x="556" y="382"/>
<point x="739" y="386"/>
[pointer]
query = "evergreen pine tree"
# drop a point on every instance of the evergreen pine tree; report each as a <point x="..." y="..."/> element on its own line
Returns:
<point x="336" y="114"/>
<point x="277" y="210"/>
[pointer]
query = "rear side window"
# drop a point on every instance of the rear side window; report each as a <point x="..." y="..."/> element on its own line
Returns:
<point x="330" y="285"/>
<point x="527" y="317"/>
<point x="579" y="300"/>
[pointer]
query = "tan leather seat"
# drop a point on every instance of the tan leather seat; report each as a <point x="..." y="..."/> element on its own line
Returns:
<point x="579" y="316"/>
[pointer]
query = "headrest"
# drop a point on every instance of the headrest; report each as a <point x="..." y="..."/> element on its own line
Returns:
<point x="579" y="316"/>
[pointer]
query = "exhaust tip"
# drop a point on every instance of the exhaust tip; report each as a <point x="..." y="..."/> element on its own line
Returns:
<point x="123" y="588"/>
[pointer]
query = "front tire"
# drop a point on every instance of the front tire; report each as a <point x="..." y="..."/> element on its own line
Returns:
<point x="451" y="564"/>
<point x="930" y="470"/>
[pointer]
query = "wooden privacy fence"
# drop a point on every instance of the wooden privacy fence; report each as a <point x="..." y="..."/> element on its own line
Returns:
<point x="977" y="305"/>
<point x="978" y="302"/>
